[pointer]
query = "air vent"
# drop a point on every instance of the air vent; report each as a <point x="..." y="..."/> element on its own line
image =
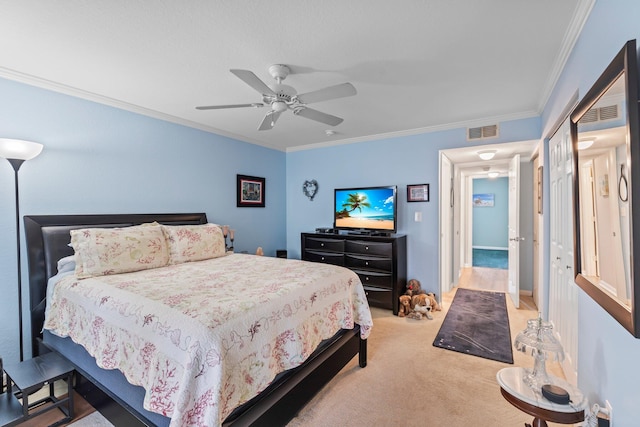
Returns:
<point x="608" y="112"/>
<point x="483" y="132"/>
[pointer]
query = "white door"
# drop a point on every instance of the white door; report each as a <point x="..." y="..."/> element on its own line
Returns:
<point x="563" y="292"/>
<point x="537" y="205"/>
<point x="446" y="225"/>
<point x="514" y="230"/>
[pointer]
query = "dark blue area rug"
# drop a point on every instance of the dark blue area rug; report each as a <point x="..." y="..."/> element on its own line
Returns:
<point x="477" y="323"/>
<point x="491" y="258"/>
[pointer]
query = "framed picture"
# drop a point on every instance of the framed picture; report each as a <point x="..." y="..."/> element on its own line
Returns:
<point x="418" y="193"/>
<point x="484" y="200"/>
<point x="250" y="191"/>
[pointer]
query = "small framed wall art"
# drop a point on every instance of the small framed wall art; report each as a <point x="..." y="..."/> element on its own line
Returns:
<point x="418" y="193"/>
<point x="250" y="191"/>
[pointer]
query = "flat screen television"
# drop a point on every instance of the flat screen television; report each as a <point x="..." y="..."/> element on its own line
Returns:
<point x="366" y="209"/>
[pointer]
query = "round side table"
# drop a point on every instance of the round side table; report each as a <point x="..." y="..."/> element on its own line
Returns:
<point x="523" y="397"/>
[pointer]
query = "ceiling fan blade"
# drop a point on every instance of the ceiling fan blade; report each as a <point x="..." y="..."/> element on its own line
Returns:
<point x="269" y="120"/>
<point x="219" y="107"/>
<point x="252" y="80"/>
<point x="318" y="116"/>
<point x="331" y="92"/>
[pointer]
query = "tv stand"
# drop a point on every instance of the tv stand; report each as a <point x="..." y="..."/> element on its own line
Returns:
<point x="379" y="261"/>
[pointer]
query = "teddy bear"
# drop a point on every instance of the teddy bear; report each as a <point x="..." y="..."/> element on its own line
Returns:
<point x="422" y="304"/>
<point x="414" y="288"/>
<point x="405" y="306"/>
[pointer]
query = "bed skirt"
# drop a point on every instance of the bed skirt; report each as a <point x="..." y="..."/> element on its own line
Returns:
<point x="113" y="383"/>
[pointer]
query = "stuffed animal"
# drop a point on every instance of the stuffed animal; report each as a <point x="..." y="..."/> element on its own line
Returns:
<point x="415" y="315"/>
<point x="421" y="304"/>
<point x="425" y="310"/>
<point x="420" y="299"/>
<point x="405" y="306"/>
<point x="259" y="251"/>
<point x="433" y="302"/>
<point x="414" y="288"/>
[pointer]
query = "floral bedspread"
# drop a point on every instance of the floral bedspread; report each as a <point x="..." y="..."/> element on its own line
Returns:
<point x="204" y="337"/>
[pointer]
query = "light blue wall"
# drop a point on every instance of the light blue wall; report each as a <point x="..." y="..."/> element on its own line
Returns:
<point x="491" y="223"/>
<point x="393" y="161"/>
<point x="608" y="355"/>
<point x="99" y="159"/>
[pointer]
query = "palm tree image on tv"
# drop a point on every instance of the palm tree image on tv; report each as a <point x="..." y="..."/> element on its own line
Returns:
<point x="354" y="201"/>
<point x="370" y="208"/>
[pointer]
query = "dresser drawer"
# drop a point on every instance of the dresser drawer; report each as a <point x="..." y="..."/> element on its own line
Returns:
<point x="326" y="257"/>
<point x="379" y="297"/>
<point x="371" y="278"/>
<point x="373" y="248"/>
<point x="366" y="262"/>
<point x="336" y="245"/>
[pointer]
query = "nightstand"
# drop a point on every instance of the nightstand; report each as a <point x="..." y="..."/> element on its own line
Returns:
<point x="29" y="376"/>
<point x="523" y="397"/>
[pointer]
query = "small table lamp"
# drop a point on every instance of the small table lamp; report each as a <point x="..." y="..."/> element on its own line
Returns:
<point x="539" y="340"/>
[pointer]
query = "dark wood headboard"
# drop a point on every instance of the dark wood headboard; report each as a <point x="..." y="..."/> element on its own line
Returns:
<point x="48" y="238"/>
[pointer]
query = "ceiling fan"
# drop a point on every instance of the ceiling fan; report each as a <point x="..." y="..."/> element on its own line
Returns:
<point x="281" y="97"/>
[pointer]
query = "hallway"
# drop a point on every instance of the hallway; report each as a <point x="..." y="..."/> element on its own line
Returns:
<point x="491" y="279"/>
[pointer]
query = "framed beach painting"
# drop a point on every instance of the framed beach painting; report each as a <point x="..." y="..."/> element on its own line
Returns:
<point x="250" y="191"/>
<point x="483" y="200"/>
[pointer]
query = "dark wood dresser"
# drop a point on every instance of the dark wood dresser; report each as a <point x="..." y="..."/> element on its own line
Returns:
<point x="381" y="262"/>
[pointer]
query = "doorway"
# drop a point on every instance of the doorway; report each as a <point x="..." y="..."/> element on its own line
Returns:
<point x="458" y="168"/>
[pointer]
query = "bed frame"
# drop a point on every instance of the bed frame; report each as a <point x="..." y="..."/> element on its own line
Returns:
<point x="48" y="240"/>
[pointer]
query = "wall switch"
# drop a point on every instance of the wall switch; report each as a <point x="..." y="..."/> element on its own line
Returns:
<point x="417" y="217"/>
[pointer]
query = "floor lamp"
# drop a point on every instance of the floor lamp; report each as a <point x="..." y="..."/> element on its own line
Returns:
<point x="16" y="151"/>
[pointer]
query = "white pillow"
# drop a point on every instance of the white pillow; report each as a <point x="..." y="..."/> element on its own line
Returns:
<point x="193" y="242"/>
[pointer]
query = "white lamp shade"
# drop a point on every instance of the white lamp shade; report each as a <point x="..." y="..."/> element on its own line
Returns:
<point x="487" y="154"/>
<point x="19" y="149"/>
<point x="584" y="144"/>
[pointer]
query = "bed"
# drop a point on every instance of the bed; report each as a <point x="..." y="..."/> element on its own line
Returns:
<point x="48" y="239"/>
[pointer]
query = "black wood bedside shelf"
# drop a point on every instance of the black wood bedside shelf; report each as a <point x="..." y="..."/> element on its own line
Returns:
<point x="25" y="378"/>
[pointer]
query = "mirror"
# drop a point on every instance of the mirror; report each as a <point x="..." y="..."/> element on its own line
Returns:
<point x="604" y="131"/>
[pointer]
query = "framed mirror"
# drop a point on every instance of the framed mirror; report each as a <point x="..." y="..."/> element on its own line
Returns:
<point x="606" y="143"/>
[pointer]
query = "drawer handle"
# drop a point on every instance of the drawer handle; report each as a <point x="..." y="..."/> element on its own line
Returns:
<point x="366" y="263"/>
<point x="322" y="245"/>
<point x="366" y="248"/>
<point x="366" y="278"/>
<point x="322" y="258"/>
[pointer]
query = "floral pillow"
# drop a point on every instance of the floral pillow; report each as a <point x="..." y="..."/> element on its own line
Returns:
<point x="193" y="242"/>
<point x="103" y="251"/>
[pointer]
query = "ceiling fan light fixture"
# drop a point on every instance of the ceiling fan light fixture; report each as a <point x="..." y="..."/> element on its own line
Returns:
<point x="279" y="106"/>
<point x="487" y="154"/>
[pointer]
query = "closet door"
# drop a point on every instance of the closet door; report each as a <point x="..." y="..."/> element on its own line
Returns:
<point x="563" y="291"/>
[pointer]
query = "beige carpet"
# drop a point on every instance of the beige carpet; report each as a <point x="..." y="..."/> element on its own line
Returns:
<point x="410" y="382"/>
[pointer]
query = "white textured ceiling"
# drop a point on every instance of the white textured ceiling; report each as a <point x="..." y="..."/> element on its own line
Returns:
<point x="417" y="65"/>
